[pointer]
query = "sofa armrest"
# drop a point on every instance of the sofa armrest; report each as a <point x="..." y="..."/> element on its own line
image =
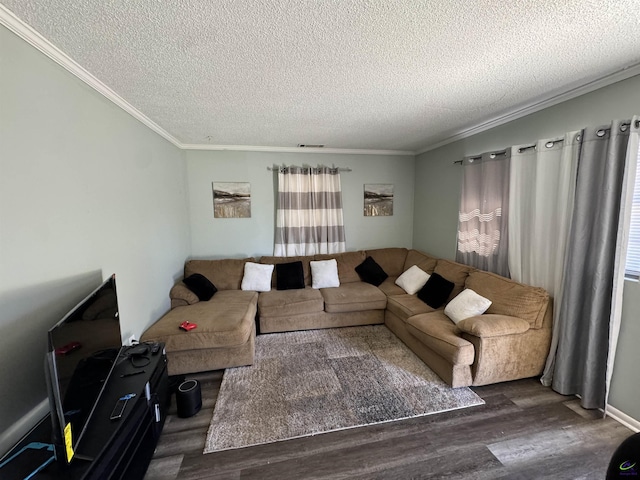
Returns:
<point x="493" y="325"/>
<point x="180" y="295"/>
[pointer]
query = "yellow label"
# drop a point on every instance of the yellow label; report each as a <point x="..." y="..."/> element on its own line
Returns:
<point x="68" y="444"/>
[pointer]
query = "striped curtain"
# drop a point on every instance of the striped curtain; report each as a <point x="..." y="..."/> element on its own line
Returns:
<point x="309" y="216"/>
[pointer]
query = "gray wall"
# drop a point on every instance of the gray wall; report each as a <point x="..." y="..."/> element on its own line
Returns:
<point x="85" y="191"/>
<point x="222" y="237"/>
<point x="438" y="191"/>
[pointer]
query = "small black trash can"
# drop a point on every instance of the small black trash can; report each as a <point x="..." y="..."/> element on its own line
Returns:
<point x="188" y="398"/>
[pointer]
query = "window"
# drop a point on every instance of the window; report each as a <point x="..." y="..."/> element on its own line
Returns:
<point x="633" y="250"/>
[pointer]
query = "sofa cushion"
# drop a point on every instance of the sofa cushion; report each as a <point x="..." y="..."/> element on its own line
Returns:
<point x="225" y="274"/>
<point x="280" y="303"/>
<point x="421" y="260"/>
<point x="436" y="291"/>
<point x="390" y="259"/>
<point x="489" y="325"/>
<point x="405" y="306"/>
<point x="442" y="336"/>
<point x="353" y="297"/>
<point x="371" y="272"/>
<point x="412" y="280"/>
<point x="257" y="277"/>
<point x="324" y="273"/>
<point x="201" y="286"/>
<point x="510" y="297"/>
<point x="305" y="259"/>
<point x="225" y="320"/>
<point x="289" y="276"/>
<point x="390" y="288"/>
<point x="181" y="295"/>
<point x="454" y="272"/>
<point x="466" y="304"/>
<point x="347" y="263"/>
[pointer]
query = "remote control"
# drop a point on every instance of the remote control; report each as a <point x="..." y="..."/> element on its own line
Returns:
<point x="155" y="348"/>
<point x="121" y="404"/>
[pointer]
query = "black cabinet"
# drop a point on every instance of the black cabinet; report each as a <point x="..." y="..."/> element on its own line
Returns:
<point x="110" y="449"/>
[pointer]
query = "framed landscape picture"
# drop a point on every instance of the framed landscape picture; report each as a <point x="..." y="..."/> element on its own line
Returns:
<point x="378" y="200"/>
<point x="231" y="200"/>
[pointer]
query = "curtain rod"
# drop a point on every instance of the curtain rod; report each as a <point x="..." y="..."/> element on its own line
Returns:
<point x="478" y="157"/>
<point x="551" y="143"/>
<point x="623" y="126"/>
<point x="276" y="168"/>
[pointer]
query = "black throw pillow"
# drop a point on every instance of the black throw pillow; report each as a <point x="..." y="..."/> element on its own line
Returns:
<point x="371" y="272"/>
<point x="289" y="276"/>
<point x="436" y="291"/>
<point x="201" y="286"/>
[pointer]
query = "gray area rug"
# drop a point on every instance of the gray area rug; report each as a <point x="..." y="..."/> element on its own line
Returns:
<point x="316" y="381"/>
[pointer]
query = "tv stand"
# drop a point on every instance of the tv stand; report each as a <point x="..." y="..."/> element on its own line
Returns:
<point x="114" y="449"/>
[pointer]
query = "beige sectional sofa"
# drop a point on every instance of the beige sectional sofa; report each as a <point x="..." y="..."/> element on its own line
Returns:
<point x="509" y="341"/>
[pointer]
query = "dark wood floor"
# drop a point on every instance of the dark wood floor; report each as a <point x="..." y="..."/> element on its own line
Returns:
<point x="524" y="431"/>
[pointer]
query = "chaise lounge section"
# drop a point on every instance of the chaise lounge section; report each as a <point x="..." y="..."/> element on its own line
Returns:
<point x="510" y="340"/>
<point x="226" y="332"/>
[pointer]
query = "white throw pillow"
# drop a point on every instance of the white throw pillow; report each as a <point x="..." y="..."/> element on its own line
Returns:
<point x="466" y="304"/>
<point x="257" y="277"/>
<point x="324" y="273"/>
<point x="412" y="280"/>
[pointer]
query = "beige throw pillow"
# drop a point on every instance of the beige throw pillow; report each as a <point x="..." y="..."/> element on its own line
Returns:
<point x="412" y="280"/>
<point x="466" y="304"/>
<point x="257" y="277"/>
<point x="324" y="273"/>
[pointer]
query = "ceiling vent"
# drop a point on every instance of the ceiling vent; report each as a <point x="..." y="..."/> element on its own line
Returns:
<point x="310" y="145"/>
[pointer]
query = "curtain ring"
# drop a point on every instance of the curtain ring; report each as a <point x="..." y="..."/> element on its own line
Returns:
<point x="549" y="144"/>
<point x="623" y="127"/>
<point x="578" y="137"/>
<point x="601" y="133"/>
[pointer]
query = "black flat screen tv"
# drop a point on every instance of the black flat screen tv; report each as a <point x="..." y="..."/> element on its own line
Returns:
<point x="82" y="350"/>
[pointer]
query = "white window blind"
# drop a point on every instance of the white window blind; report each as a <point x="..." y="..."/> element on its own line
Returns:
<point x="633" y="250"/>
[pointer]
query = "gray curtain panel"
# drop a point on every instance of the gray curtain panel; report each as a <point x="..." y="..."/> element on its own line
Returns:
<point x="585" y="308"/>
<point x="484" y="208"/>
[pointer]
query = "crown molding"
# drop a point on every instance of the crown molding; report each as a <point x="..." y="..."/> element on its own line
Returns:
<point x="255" y="148"/>
<point x="32" y="37"/>
<point x="35" y="39"/>
<point x="537" y="105"/>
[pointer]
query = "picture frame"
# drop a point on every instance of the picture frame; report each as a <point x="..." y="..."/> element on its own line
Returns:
<point x="378" y="200"/>
<point x="231" y="199"/>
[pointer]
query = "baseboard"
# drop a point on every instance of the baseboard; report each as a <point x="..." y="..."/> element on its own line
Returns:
<point x="623" y="418"/>
<point x="15" y="432"/>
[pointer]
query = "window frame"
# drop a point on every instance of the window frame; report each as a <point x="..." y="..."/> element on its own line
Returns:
<point x="632" y="261"/>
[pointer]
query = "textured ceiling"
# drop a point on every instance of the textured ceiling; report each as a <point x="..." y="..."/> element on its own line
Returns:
<point x="385" y="75"/>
